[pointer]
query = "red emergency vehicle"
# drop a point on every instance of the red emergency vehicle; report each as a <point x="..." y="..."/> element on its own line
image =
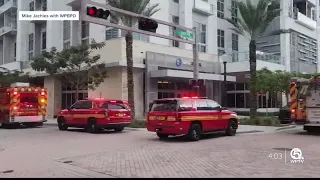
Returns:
<point x="95" y="115"/>
<point x="190" y="116"/>
<point x="23" y="104"/>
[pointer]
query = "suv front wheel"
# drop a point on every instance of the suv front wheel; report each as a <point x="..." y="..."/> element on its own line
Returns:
<point x="162" y="136"/>
<point x="232" y="128"/>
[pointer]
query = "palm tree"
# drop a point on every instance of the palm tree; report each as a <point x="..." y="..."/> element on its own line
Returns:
<point x="252" y="22"/>
<point x="142" y="7"/>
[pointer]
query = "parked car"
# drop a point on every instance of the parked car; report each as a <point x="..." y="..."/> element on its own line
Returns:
<point x="97" y="114"/>
<point x="190" y="116"/>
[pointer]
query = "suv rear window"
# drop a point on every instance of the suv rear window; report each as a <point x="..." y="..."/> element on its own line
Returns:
<point x="164" y="105"/>
<point x="108" y="105"/>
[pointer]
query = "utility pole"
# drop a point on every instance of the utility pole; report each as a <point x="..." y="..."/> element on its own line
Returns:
<point x="195" y="61"/>
<point x="81" y="6"/>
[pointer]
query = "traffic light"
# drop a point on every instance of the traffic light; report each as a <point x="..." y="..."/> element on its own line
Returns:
<point x="99" y="13"/>
<point x="148" y="25"/>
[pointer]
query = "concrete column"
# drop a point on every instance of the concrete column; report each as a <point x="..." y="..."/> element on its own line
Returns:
<point x="53" y="86"/>
<point x="1" y="52"/>
<point x="6" y="49"/>
<point x="285" y="38"/>
<point x="75" y="33"/>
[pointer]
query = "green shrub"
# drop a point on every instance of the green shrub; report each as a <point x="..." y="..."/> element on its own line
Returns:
<point x="138" y="123"/>
<point x="247" y="113"/>
<point x="260" y="121"/>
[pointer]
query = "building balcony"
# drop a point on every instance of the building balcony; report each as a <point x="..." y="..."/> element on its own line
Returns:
<point x="202" y="7"/>
<point x="9" y="29"/>
<point x="239" y="62"/>
<point x="8" y="5"/>
<point x="305" y="21"/>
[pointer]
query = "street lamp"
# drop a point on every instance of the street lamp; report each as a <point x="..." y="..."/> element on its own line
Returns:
<point x="222" y="53"/>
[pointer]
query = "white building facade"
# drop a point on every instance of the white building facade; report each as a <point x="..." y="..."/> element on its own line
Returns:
<point x="295" y="51"/>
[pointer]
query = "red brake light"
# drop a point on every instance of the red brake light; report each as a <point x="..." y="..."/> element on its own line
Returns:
<point x="42" y="93"/>
<point x="195" y="97"/>
<point x="113" y="101"/>
<point x="15" y="93"/>
<point x="185" y="97"/>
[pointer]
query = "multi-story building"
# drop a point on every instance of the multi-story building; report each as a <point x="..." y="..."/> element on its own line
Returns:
<point x="157" y="74"/>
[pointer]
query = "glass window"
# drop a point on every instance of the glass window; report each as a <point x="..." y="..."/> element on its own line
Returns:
<point x="220" y="38"/>
<point x="220" y="8"/>
<point x="212" y="105"/>
<point x="165" y="85"/>
<point x="202" y="105"/>
<point x="85" y="41"/>
<point x="66" y="30"/>
<point x="239" y="86"/>
<point x="28" y="99"/>
<point x="247" y="96"/>
<point x="86" y="105"/>
<point x="112" y="33"/>
<point x="230" y="86"/>
<point x="76" y="105"/>
<point x="84" y="29"/>
<point x="185" y="105"/>
<point x="44" y="40"/>
<point x="109" y="105"/>
<point x="66" y="45"/>
<point x="231" y="100"/>
<point x="31" y="42"/>
<point x="31" y="6"/>
<point x="234" y="10"/>
<point x="235" y="40"/>
<point x="240" y="100"/>
<point x="167" y="105"/>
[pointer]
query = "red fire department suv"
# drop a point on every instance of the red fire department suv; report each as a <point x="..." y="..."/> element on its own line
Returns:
<point x="190" y="116"/>
<point x="95" y="115"/>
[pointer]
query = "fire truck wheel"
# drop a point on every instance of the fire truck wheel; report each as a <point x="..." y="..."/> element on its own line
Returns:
<point x="92" y="126"/>
<point x="194" y="133"/>
<point x="61" y="124"/>
<point x="232" y="128"/>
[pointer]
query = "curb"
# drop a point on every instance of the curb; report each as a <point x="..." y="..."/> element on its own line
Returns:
<point x="288" y="127"/>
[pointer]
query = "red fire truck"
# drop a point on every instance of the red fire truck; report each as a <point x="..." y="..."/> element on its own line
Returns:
<point x="23" y="104"/>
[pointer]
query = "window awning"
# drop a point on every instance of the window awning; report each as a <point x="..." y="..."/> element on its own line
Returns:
<point x="189" y="75"/>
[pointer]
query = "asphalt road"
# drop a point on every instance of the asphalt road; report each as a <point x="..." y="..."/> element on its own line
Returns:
<point x="48" y="152"/>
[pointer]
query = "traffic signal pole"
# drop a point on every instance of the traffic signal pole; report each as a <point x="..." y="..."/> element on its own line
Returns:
<point x="196" y="61"/>
<point x="81" y="6"/>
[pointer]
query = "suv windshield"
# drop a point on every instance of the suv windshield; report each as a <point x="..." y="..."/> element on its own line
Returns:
<point x="164" y="105"/>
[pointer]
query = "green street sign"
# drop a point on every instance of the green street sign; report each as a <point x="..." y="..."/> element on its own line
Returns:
<point x="184" y="34"/>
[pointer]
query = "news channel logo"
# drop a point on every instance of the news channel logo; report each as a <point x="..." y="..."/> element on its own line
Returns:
<point x="296" y="156"/>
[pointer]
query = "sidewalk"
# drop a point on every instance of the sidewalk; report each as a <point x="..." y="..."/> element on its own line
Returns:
<point x="243" y="129"/>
